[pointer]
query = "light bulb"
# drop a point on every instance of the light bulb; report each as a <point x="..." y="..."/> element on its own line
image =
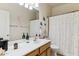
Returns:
<point x="21" y="4"/>
<point x="36" y="5"/>
<point x="26" y="5"/>
<point x="30" y="7"/>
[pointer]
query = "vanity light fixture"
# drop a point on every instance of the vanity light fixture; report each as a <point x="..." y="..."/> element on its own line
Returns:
<point x="29" y="5"/>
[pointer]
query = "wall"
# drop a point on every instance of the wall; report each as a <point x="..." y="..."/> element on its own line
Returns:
<point x="65" y="8"/>
<point x="19" y="19"/>
<point x="44" y="10"/>
<point x="37" y="14"/>
<point x="34" y="27"/>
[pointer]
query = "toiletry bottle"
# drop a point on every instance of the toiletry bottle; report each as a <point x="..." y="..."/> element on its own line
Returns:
<point x="23" y="36"/>
<point x="36" y="37"/>
<point x="27" y="38"/>
<point x="39" y="36"/>
<point x="15" y="45"/>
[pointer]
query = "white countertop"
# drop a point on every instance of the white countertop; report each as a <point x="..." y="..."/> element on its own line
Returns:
<point x="25" y="48"/>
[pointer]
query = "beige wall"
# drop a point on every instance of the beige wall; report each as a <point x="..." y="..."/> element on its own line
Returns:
<point x="65" y="8"/>
<point x="19" y="19"/>
<point x="37" y="14"/>
<point x="44" y="10"/>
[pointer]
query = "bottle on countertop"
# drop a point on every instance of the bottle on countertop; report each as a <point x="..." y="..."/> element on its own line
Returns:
<point x="15" y="45"/>
<point x="39" y="36"/>
<point x="27" y="38"/>
<point x="23" y="36"/>
<point x="36" y="37"/>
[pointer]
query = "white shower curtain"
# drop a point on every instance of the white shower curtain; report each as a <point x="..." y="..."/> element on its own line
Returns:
<point x="63" y="31"/>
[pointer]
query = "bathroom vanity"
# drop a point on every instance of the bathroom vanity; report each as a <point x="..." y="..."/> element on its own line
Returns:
<point x="41" y="51"/>
<point x="40" y="47"/>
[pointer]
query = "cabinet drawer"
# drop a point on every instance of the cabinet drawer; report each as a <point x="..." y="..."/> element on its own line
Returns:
<point x="34" y="53"/>
<point x="44" y="47"/>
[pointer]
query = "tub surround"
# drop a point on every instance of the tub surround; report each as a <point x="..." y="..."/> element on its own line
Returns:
<point x="26" y="48"/>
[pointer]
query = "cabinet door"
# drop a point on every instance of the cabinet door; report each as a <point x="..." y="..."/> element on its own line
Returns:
<point x="34" y="53"/>
<point x="43" y="54"/>
<point x="49" y="52"/>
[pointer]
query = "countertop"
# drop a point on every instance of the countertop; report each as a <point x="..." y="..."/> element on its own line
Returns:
<point x="25" y="48"/>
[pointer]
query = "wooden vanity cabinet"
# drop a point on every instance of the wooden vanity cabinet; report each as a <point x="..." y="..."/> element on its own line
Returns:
<point x="44" y="47"/>
<point x="44" y="50"/>
<point x="33" y="53"/>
